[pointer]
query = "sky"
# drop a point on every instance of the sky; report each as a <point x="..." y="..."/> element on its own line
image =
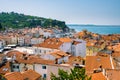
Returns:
<point x="99" y="12"/>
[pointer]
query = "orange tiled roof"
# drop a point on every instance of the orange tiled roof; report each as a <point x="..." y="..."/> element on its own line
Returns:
<point x="89" y="44"/>
<point x="5" y="69"/>
<point x="14" y="76"/>
<point x="1" y="56"/>
<point x="81" y="33"/>
<point x="53" y="43"/>
<point x="98" y="76"/>
<point x="94" y="62"/>
<point x="28" y="59"/>
<point x="108" y="38"/>
<point x="65" y="39"/>
<point x="33" y="60"/>
<point x="102" y="54"/>
<point x="73" y="59"/>
<point x="59" y="54"/>
<point x="95" y="35"/>
<point x="116" y="47"/>
<point x="113" y="74"/>
<point x="76" y="42"/>
<point x="116" y="54"/>
<point x="16" y="53"/>
<point x="31" y="75"/>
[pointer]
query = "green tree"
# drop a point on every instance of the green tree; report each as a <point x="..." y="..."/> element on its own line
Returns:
<point x="15" y="20"/>
<point x="75" y="74"/>
<point x="2" y="77"/>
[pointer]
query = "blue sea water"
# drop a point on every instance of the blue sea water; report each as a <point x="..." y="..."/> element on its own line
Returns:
<point x="100" y="29"/>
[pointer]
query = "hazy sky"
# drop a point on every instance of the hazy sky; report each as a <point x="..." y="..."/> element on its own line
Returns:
<point x="71" y="11"/>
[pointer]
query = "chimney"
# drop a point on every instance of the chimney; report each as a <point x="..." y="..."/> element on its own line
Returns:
<point x="100" y="69"/>
<point x="56" y="61"/>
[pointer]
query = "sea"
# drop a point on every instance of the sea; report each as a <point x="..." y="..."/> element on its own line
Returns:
<point x="100" y="29"/>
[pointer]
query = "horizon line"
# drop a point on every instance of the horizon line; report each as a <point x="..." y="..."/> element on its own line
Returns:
<point x="94" y="24"/>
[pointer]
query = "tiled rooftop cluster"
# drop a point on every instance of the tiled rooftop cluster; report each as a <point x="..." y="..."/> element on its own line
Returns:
<point x="98" y="54"/>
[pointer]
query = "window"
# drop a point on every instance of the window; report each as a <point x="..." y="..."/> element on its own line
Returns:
<point x="44" y="75"/>
<point x="43" y="67"/>
<point x="13" y="66"/>
<point x="44" y="51"/>
<point x="17" y="67"/>
<point x="40" y="51"/>
<point x="35" y="50"/>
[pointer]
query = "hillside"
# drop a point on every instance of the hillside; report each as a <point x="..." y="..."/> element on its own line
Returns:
<point x="16" y="20"/>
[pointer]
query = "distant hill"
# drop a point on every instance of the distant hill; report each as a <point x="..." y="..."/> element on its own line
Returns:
<point x="16" y="20"/>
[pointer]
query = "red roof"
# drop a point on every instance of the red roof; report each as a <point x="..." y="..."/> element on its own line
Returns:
<point x="94" y="62"/>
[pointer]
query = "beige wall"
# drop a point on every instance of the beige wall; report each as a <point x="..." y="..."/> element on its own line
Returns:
<point x="54" y="69"/>
<point x="38" y="68"/>
<point x="14" y="40"/>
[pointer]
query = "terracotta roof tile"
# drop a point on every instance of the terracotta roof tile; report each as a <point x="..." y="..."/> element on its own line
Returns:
<point x="113" y="74"/>
<point x="31" y="75"/>
<point x="65" y="39"/>
<point x="116" y="47"/>
<point x="34" y="60"/>
<point x="116" y="54"/>
<point x="98" y="76"/>
<point x="14" y="76"/>
<point x="16" y="53"/>
<point x="53" y="43"/>
<point x="5" y="69"/>
<point x="1" y="56"/>
<point x="74" y="60"/>
<point x="94" y="62"/>
<point x="59" y="54"/>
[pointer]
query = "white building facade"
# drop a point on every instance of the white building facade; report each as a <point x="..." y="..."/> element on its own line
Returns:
<point x="79" y="48"/>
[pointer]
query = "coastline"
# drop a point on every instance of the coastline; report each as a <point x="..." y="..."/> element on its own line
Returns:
<point x="99" y="29"/>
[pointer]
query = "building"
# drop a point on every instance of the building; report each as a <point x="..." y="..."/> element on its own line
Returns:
<point x="79" y="48"/>
<point x="36" y="41"/>
<point x="21" y="41"/>
<point x="98" y="76"/>
<point x="98" y="63"/>
<point x="58" y="56"/>
<point x="116" y="59"/>
<point x="76" y="47"/>
<point x="14" y="40"/>
<point x="27" y="41"/>
<point x="26" y="75"/>
<point x="53" y="44"/>
<point x="112" y="74"/>
<point x="49" y="45"/>
<point x="4" y="68"/>
<point x="1" y="45"/>
<point x="76" y="61"/>
<point x="23" y="62"/>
